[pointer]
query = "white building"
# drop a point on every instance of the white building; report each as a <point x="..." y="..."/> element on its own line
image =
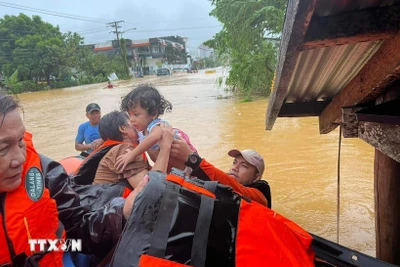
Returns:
<point x="204" y="51"/>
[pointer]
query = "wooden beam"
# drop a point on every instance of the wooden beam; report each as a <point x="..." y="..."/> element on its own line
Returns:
<point x="379" y="72"/>
<point x="387" y="207"/>
<point x="390" y="94"/>
<point x="349" y="122"/>
<point x="353" y="27"/>
<point x="302" y="109"/>
<point x="388" y="113"/>
<point x="384" y="137"/>
<point x="298" y="16"/>
<point x="378" y="118"/>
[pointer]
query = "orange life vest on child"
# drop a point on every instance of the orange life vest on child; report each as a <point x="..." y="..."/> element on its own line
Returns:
<point x="29" y="213"/>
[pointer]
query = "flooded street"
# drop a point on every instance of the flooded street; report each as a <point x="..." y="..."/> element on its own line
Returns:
<point x="301" y="164"/>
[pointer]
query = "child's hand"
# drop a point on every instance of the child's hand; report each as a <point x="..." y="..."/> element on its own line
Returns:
<point x="122" y="161"/>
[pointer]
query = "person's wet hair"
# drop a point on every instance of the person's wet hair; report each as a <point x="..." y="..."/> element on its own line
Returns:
<point x="7" y="103"/>
<point x="109" y="125"/>
<point x="149" y="98"/>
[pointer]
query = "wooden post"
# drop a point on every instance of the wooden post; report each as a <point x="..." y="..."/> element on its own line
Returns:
<point x="387" y="208"/>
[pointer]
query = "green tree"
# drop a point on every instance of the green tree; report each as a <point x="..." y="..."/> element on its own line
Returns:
<point x="123" y="53"/>
<point x="32" y="46"/>
<point x="243" y="45"/>
<point x="175" y="55"/>
<point x="36" y="50"/>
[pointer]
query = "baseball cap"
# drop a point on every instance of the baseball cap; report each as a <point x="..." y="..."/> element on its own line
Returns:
<point x="251" y="157"/>
<point x="92" y="107"/>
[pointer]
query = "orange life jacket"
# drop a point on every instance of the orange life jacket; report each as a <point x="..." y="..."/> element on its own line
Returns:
<point x="29" y="213"/>
<point x="86" y="171"/>
<point x="106" y="146"/>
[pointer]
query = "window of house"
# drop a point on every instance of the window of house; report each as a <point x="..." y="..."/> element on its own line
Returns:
<point x="155" y="48"/>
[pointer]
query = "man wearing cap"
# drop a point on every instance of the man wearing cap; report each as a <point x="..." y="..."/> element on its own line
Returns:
<point x="244" y="176"/>
<point x="88" y="137"/>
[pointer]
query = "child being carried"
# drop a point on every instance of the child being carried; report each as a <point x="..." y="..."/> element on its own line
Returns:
<point x="144" y="105"/>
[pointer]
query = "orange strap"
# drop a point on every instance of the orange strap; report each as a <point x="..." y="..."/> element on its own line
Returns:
<point x="179" y="180"/>
<point x="126" y="192"/>
<point x="150" y="261"/>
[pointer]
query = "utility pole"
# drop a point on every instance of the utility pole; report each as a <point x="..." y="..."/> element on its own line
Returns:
<point x="116" y="25"/>
<point x="122" y="45"/>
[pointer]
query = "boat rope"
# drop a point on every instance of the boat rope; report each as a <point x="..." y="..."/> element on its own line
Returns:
<point x="338" y="186"/>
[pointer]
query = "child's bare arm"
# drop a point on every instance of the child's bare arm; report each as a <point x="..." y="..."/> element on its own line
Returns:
<point x="165" y="142"/>
<point x="123" y="160"/>
<point x="152" y="139"/>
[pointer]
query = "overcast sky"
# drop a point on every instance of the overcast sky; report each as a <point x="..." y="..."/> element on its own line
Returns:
<point x="151" y="18"/>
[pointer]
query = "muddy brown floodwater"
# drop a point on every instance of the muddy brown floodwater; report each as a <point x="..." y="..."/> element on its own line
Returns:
<point x="301" y="164"/>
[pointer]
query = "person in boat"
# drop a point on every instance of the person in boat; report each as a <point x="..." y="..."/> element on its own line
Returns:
<point x="144" y="105"/>
<point x="88" y="136"/>
<point x="244" y="176"/>
<point x="37" y="202"/>
<point x="116" y="129"/>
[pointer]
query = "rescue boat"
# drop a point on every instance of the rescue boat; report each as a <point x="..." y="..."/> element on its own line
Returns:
<point x="327" y="253"/>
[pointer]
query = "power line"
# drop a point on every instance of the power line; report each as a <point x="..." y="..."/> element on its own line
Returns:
<point x="180" y="29"/>
<point x="167" y="21"/>
<point x="52" y="13"/>
<point x="158" y="30"/>
<point x="90" y="30"/>
<point x="87" y="33"/>
<point x="77" y="17"/>
<point x="88" y="19"/>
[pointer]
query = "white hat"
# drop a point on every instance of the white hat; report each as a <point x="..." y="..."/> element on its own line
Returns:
<point x="251" y="156"/>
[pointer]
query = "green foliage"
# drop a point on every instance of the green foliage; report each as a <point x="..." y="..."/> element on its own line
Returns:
<point x="33" y="47"/>
<point x="123" y="53"/>
<point x="243" y="45"/>
<point x="63" y="84"/>
<point x="209" y="62"/>
<point x="10" y="82"/>
<point x="35" y="51"/>
<point x="175" y="55"/>
<point x="13" y="78"/>
<point x="27" y="86"/>
<point x="246" y="99"/>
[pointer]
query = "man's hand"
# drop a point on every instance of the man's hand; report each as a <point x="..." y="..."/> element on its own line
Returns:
<point x="96" y="143"/>
<point x="180" y="149"/>
<point x="130" y="200"/>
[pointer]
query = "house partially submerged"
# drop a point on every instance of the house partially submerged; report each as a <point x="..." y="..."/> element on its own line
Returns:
<point x="340" y="60"/>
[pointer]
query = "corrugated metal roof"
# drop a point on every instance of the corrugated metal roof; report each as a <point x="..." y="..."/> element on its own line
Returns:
<point x="309" y="77"/>
<point x="321" y="73"/>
